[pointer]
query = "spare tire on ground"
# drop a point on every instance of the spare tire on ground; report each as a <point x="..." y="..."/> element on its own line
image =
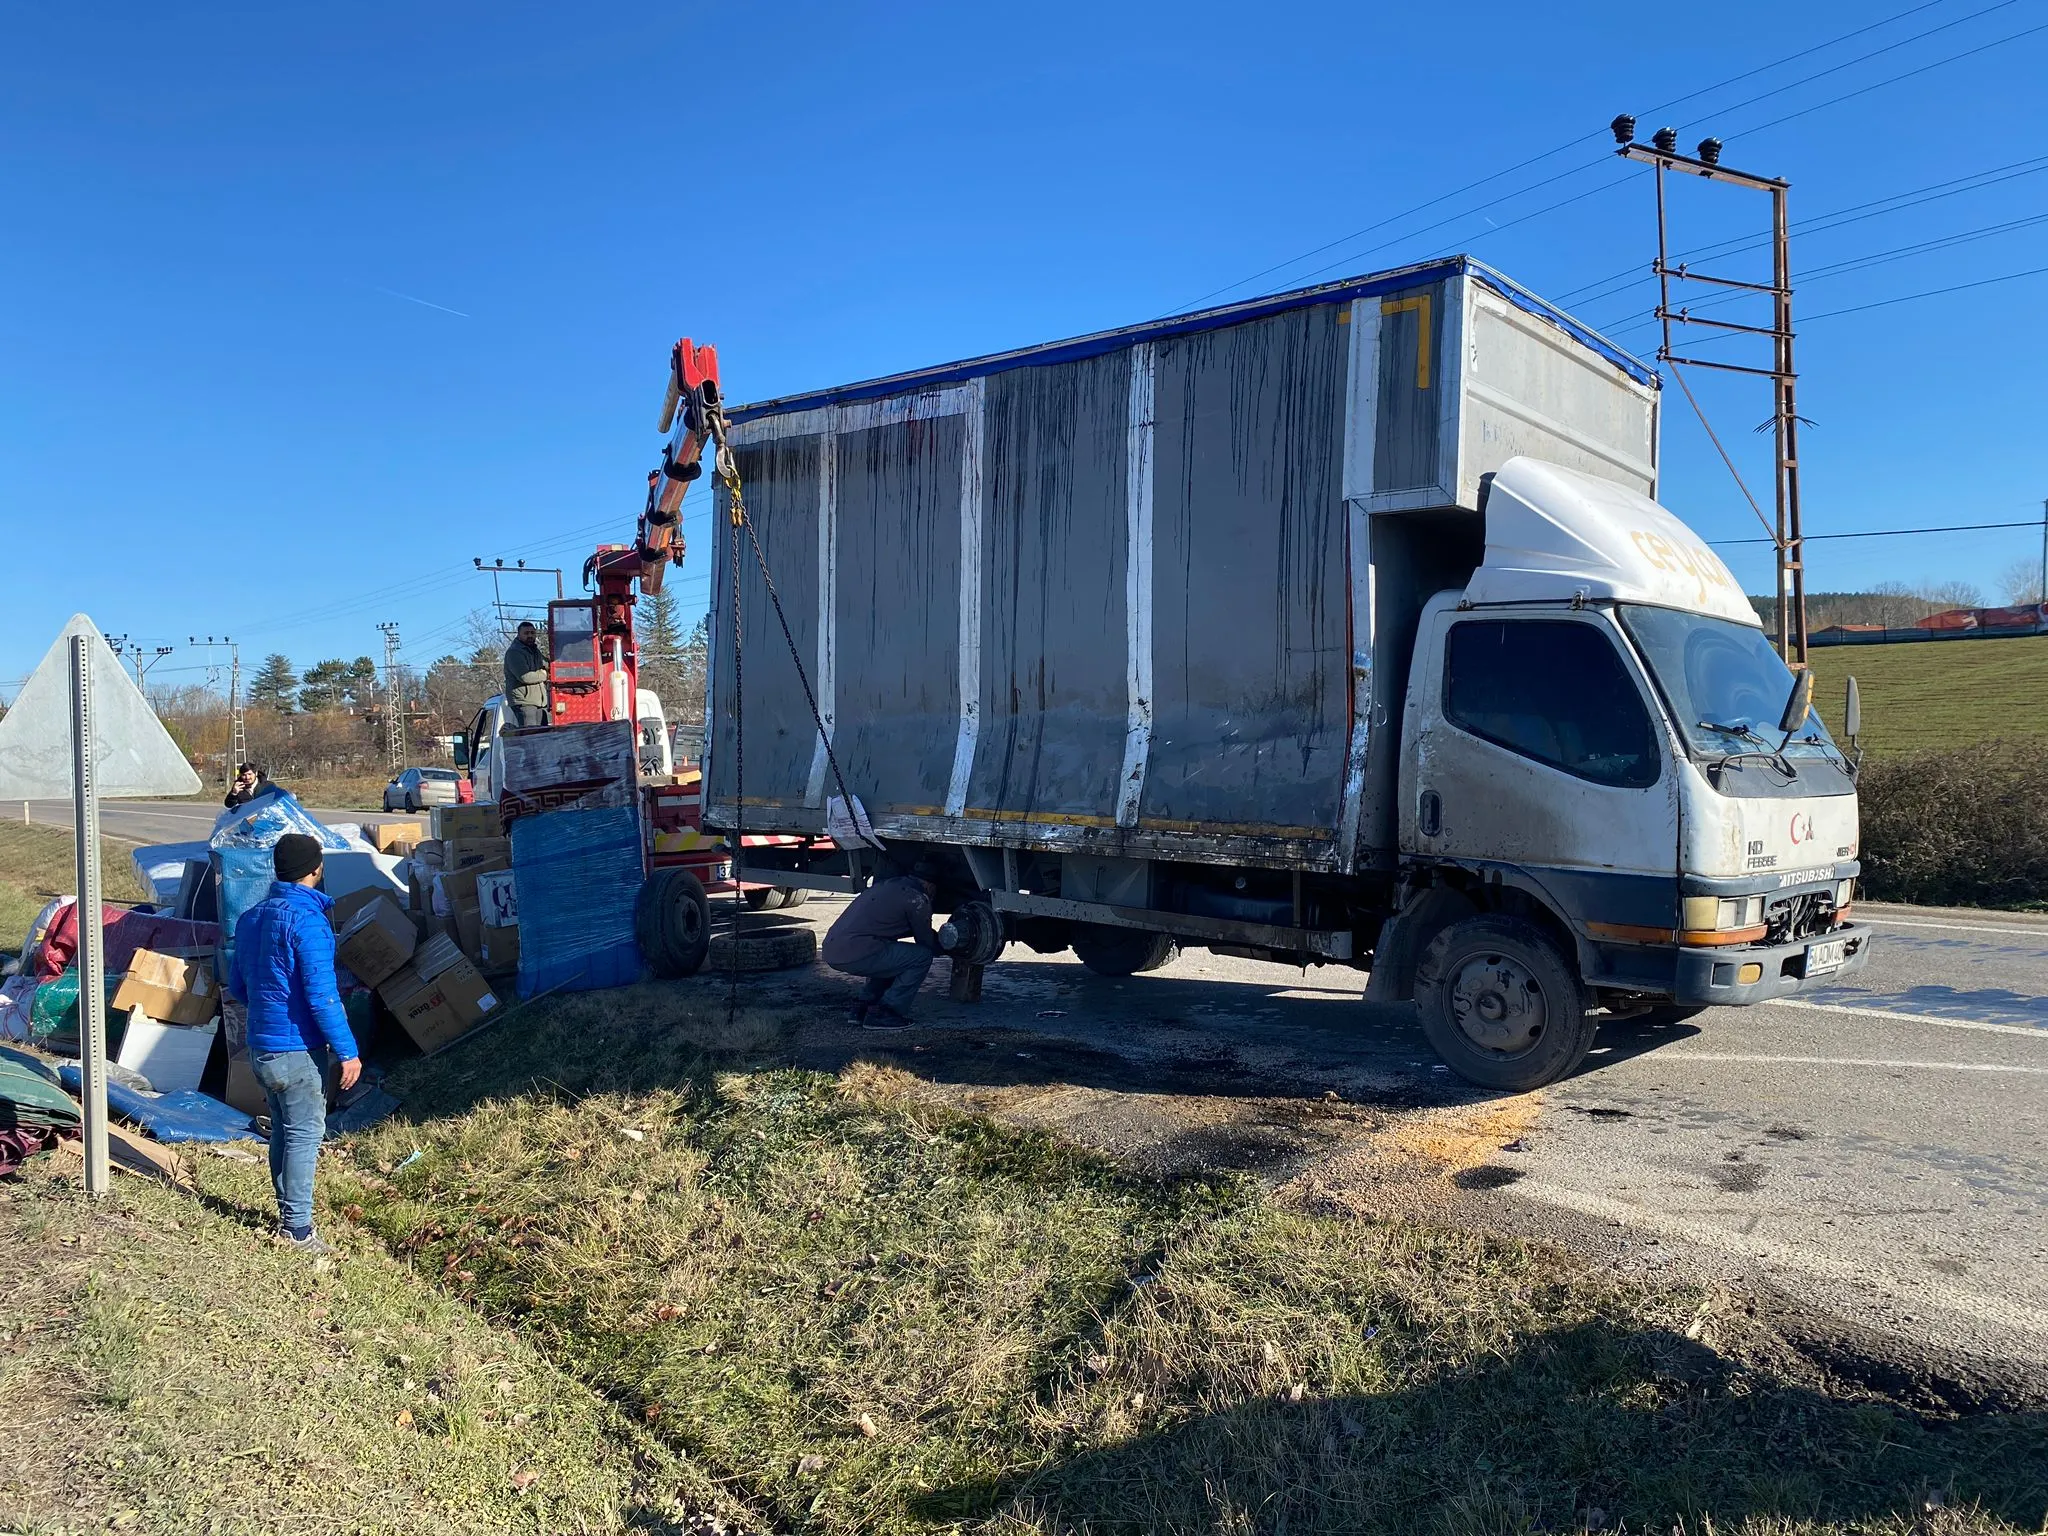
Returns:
<point x="761" y="944"/>
<point x="672" y="921"/>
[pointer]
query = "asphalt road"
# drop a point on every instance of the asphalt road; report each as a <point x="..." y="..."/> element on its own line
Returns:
<point x="1877" y="1152"/>
<point x="164" y="821"/>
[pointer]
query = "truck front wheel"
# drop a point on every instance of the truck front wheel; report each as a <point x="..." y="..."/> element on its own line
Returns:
<point x="1121" y="951"/>
<point x="1501" y="1005"/>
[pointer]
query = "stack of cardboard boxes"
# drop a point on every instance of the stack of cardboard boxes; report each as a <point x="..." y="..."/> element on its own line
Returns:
<point x="430" y="987"/>
<point x="461" y="890"/>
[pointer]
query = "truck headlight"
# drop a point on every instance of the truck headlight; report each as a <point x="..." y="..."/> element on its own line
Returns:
<point x="1703" y="918"/>
<point x="1844" y="890"/>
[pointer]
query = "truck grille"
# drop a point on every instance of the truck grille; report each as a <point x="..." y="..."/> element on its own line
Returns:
<point x="1790" y="918"/>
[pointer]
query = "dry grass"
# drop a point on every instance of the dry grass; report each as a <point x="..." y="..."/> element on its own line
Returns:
<point x="168" y="1370"/>
<point x="37" y="863"/>
<point x="863" y="1312"/>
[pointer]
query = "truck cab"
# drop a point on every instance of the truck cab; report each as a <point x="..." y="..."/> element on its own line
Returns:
<point x="1599" y="740"/>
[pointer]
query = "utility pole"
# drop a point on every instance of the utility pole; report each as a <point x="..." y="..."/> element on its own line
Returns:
<point x="498" y="569"/>
<point x="2042" y="595"/>
<point x="394" y="709"/>
<point x="156" y="654"/>
<point x="238" y="734"/>
<point x="1661" y="153"/>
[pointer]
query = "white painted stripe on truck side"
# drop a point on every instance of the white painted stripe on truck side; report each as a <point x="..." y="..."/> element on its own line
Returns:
<point x="974" y="418"/>
<point x="826" y="680"/>
<point x="952" y="400"/>
<point x="1137" y="586"/>
<point x="1361" y="430"/>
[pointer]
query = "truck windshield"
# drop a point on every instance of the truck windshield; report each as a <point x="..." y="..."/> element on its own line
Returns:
<point x="1725" y="684"/>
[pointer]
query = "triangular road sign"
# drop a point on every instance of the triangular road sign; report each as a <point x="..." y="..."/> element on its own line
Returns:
<point x="135" y="754"/>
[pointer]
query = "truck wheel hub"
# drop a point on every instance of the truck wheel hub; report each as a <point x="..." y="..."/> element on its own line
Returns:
<point x="1498" y="1005"/>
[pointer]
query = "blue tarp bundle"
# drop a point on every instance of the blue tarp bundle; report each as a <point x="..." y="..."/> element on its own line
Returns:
<point x="577" y="877"/>
<point x="169" y="1117"/>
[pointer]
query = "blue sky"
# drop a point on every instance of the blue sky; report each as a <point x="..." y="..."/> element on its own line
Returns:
<point x="307" y="307"/>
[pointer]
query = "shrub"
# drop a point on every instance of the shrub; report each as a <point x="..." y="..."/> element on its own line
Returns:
<point x="1961" y="827"/>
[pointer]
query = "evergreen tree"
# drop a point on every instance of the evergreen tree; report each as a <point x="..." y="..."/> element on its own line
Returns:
<point x="661" y="649"/>
<point x="323" y="685"/>
<point x="274" y="685"/>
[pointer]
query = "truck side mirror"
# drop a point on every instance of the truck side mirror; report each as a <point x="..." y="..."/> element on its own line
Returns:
<point x="460" y="749"/>
<point x="1852" y="713"/>
<point x="1799" y="704"/>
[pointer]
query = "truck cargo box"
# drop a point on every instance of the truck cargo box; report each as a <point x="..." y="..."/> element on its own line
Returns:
<point x="1149" y="592"/>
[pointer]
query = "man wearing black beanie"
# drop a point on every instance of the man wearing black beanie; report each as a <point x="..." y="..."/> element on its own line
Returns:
<point x="284" y="972"/>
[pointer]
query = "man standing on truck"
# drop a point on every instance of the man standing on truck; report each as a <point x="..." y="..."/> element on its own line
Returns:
<point x="526" y="677"/>
<point x="283" y="973"/>
<point x="865" y="942"/>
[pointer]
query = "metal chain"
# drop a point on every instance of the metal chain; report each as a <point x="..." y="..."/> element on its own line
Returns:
<point x="729" y="476"/>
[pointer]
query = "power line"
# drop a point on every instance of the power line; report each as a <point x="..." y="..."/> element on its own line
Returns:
<point x="1891" y="533"/>
<point x="1568" y="144"/>
<point x="1820" y="223"/>
<point x="1902" y="298"/>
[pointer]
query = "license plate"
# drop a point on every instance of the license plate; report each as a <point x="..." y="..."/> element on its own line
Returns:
<point x="1825" y="956"/>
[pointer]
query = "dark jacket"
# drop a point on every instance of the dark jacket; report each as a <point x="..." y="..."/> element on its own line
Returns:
<point x="880" y="915"/>
<point x="526" y="675"/>
<point x="237" y="798"/>
<point x="284" y="971"/>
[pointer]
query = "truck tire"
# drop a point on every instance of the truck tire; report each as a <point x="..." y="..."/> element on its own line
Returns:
<point x="1501" y="1005"/>
<point x="766" y="899"/>
<point x="764" y="947"/>
<point x="792" y="896"/>
<point x="1121" y="951"/>
<point x="672" y="920"/>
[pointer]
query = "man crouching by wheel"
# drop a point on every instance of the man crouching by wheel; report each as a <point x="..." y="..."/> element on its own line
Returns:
<point x="886" y="936"/>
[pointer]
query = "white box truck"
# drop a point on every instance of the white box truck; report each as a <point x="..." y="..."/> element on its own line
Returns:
<point x="1340" y="626"/>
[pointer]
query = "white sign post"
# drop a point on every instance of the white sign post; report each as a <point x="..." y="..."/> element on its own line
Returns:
<point x="92" y="956"/>
<point x="65" y="736"/>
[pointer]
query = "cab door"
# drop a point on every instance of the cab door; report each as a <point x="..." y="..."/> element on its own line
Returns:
<point x="1537" y="744"/>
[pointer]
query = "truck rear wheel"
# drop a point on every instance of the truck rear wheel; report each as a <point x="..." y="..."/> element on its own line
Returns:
<point x="1501" y="1005"/>
<point x="1121" y="951"/>
<point x="672" y="920"/>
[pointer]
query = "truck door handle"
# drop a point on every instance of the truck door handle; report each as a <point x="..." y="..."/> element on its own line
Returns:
<point x="1429" y="817"/>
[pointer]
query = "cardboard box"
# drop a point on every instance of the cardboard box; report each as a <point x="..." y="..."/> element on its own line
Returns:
<point x="378" y="940"/>
<point x="469" y="932"/>
<point x="171" y="986"/>
<point x="422" y="1008"/>
<point x="441" y="961"/>
<point x="433" y="853"/>
<point x="419" y="889"/>
<point x="466" y="821"/>
<point x="460" y="887"/>
<point x="497" y="899"/>
<point x="394" y="836"/>
<point x="478" y="853"/>
<point x="500" y="950"/>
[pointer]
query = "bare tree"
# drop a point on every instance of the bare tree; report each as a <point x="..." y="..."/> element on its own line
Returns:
<point x="1954" y="594"/>
<point x="2021" y="581"/>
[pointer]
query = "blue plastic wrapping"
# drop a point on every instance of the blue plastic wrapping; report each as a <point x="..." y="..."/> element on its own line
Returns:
<point x="268" y="817"/>
<point x="186" y="1115"/>
<point x="577" y="876"/>
<point x="244" y="876"/>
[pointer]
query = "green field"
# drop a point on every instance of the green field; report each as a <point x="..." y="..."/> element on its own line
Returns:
<point x="1940" y="693"/>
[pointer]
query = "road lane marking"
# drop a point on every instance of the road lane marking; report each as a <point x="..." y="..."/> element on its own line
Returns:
<point x="2031" y="1031"/>
<point x="1900" y="922"/>
<point x="1844" y="1061"/>
<point x="1850" y="1271"/>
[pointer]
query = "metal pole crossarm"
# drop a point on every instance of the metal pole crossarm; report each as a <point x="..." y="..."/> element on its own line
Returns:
<point x="1651" y="155"/>
<point x="1687" y="317"/>
<point x="1683" y="271"/>
<point x="1701" y="362"/>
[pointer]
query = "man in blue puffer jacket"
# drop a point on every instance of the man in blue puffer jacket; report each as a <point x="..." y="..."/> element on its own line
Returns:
<point x="284" y="972"/>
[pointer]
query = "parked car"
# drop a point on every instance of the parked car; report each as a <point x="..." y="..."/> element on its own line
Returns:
<point x="417" y="788"/>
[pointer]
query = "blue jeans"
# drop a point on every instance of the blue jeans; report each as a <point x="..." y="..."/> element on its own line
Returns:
<point x="291" y="1081"/>
<point x="894" y="974"/>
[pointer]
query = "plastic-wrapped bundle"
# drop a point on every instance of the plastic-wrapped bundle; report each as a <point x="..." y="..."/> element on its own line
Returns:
<point x="587" y="767"/>
<point x="576" y="876"/>
<point x="244" y="876"/>
<point x="268" y="817"/>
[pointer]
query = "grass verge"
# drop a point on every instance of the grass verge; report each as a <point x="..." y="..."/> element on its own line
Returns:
<point x="863" y="1313"/>
<point x="37" y="863"/>
<point x="168" y="1370"/>
<point x="1939" y="695"/>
